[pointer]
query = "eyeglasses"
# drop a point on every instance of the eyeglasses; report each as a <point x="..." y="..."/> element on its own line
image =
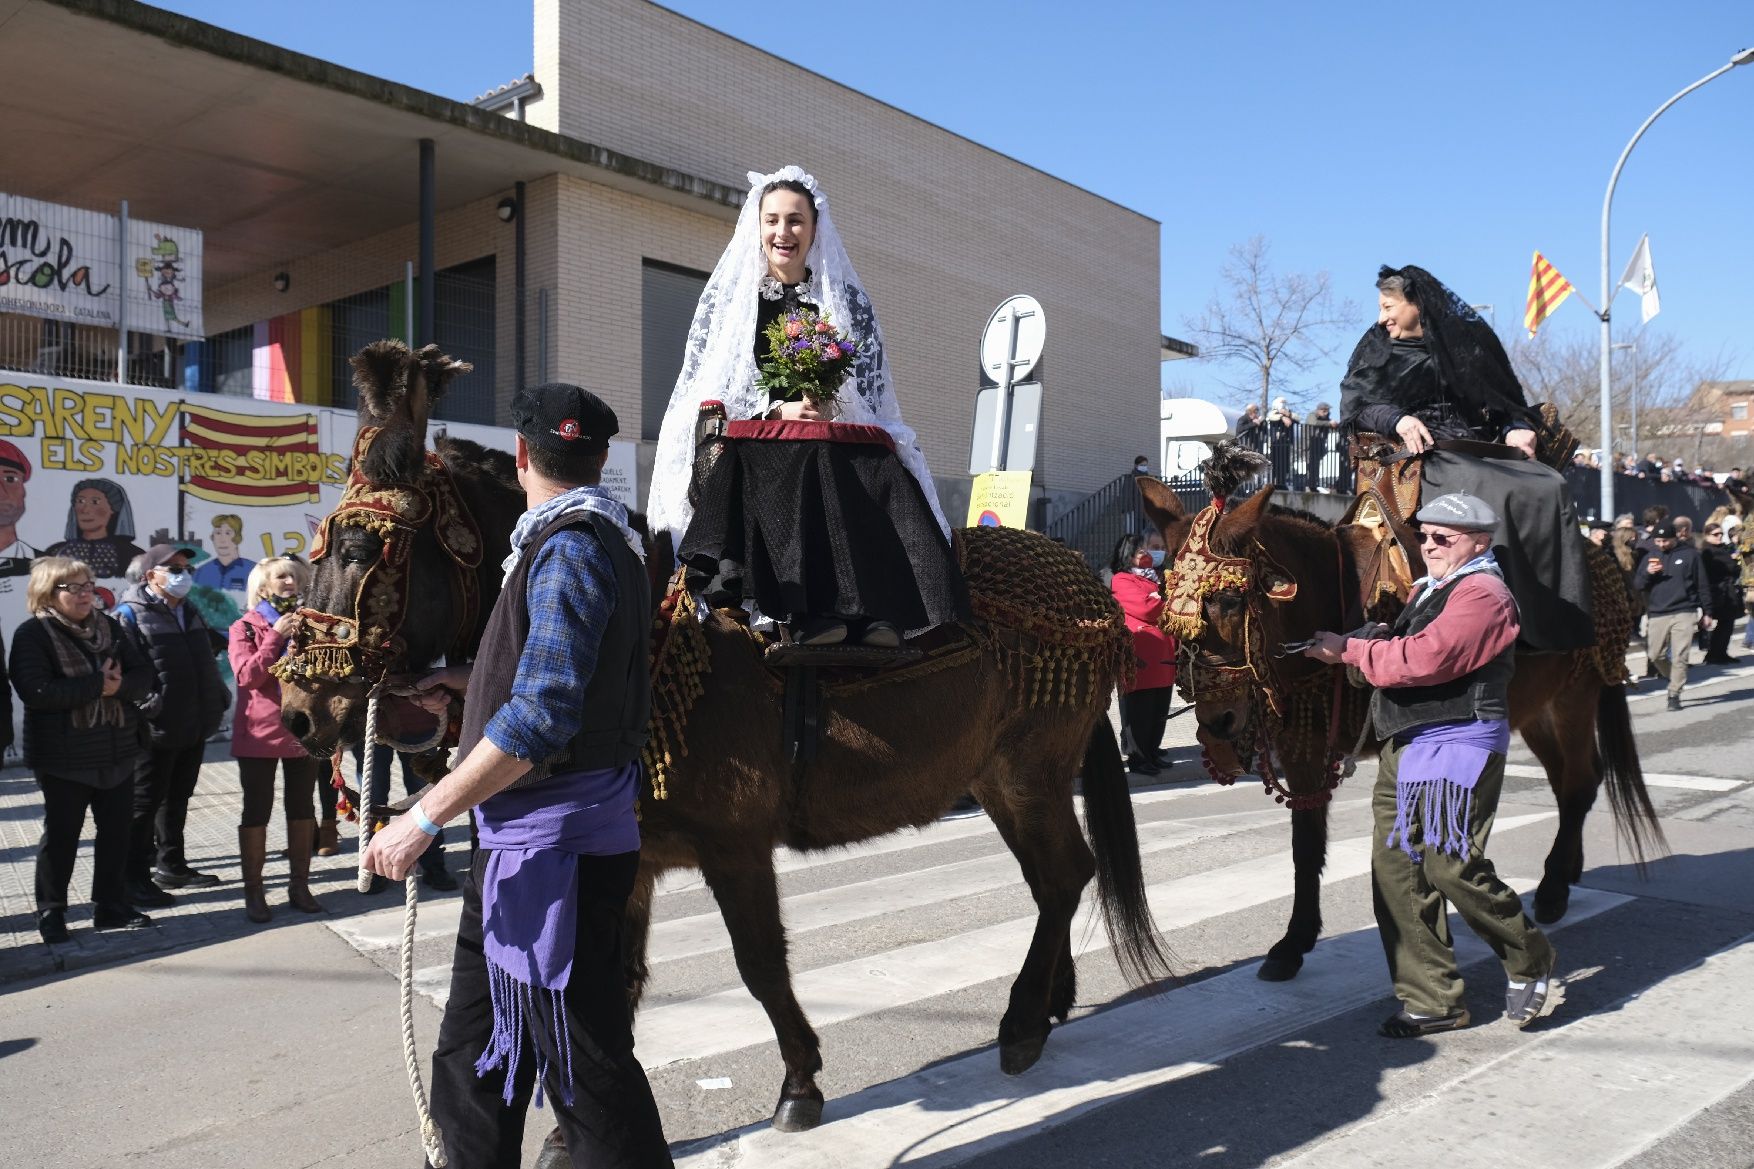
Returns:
<point x="1438" y="538"/>
<point x="78" y="589"/>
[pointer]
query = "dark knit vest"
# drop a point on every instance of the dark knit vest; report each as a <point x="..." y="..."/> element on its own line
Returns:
<point x="616" y="702"/>
<point x="1483" y="694"/>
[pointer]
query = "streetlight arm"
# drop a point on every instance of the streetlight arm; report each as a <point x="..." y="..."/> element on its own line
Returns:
<point x="1743" y="57"/>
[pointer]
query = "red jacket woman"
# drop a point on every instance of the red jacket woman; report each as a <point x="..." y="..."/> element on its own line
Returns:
<point x="1136" y="580"/>
<point x="259" y="742"/>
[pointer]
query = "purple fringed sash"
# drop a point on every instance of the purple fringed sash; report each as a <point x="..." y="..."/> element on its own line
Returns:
<point x="529" y="900"/>
<point x="1435" y="780"/>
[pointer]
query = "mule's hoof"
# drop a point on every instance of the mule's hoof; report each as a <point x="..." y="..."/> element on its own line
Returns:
<point x="1274" y="969"/>
<point x="1017" y="1058"/>
<point x="1550" y="910"/>
<point x="798" y="1114"/>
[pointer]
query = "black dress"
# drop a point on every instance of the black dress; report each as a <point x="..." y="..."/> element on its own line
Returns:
<point x="1538" y="545"/>
<point x="817" y="519"/>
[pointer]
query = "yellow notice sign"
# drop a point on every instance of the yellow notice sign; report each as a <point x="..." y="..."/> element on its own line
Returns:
<point x="999" y="499"/>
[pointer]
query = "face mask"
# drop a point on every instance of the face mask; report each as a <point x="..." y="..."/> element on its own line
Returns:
<point x="1156" y="557"/>
<point x="177" y="584"/>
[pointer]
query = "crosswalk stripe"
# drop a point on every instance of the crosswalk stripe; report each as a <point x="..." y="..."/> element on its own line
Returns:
<point x="383" y="928"/>
<point x="824" y="908"/>
<point x="966" y="1106"/>
<point x="1697" y="783"/>
<point x="1657" y="1075"/>
<point x="731" y="1019"/>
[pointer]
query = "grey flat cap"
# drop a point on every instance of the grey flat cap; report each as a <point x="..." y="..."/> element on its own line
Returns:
<point x="1469" y="513"/>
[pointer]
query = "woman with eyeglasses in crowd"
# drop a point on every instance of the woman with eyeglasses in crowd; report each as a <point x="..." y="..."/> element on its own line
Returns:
<point x="79" y="679"/>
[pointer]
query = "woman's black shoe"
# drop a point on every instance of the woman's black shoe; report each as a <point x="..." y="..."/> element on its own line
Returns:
<point x="52" y="924"/>
<point x="150" y="895"/>
<point x="119" y="917"/>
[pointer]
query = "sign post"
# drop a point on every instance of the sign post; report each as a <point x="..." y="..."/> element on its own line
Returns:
<point x="1011" y="344"/>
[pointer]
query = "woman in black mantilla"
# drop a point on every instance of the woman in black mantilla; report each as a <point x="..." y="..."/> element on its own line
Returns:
<point x="1430" y="371"/>
<point x="824" y="517"/>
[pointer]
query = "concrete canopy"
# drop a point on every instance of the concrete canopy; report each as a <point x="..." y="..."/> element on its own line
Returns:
<point x="272" y="154"/>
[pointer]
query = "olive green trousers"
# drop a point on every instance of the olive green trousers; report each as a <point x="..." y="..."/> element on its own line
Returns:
<point x="1412" y="900"/>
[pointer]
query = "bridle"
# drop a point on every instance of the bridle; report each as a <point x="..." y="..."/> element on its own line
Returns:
<point x="1249" y="677"/>
<point x="367" y="646"/>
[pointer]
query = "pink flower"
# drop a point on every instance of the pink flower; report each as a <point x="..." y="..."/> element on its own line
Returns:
<point x="794" y="327"/>
<point x="824" y="327"/>
<point x="832" y="353"/>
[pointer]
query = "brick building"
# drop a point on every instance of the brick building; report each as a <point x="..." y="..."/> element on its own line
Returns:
<point x="575" y="213"/>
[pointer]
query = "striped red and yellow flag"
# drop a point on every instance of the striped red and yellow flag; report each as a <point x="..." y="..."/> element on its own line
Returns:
<point x="251" y="459"/>
<point x="1547" y="291"/>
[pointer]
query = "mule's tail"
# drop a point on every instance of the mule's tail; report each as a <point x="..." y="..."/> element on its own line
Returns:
<point x="1120" y="877"/>
<point x="1634" y="817"/>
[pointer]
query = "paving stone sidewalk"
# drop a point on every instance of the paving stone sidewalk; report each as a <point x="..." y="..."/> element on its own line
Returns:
<point x="201" y="916"/>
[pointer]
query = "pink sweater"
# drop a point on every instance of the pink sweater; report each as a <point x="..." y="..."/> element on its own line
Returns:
<point x="256" y="732"/>
<point x="1479" y="621"/>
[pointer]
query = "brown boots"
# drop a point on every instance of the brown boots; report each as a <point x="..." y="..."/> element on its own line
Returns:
<point x="301" y="837"/>
<point x="252" y="852"/>
<point x="328" y="838"/>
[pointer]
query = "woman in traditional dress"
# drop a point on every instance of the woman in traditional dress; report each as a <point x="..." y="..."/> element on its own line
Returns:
<point x="1430" y="371"/>
<point x="823" y="517"/>
<point x="100" y="528"/>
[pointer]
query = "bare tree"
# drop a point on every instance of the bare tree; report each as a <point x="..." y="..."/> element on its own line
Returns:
<point x="1268" y="324"/>
<point x="1659" y="376"/>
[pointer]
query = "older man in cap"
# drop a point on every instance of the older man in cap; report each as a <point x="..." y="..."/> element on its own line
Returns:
<point x="1442" y="711"/>
<point x="554" y="718"/>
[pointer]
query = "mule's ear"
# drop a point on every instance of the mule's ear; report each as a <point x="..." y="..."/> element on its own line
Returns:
<point x="1240" y="524"/>
<point x="437" y="370"/>
<point x="1162" y="507"/>
<point x="380" y="374"/>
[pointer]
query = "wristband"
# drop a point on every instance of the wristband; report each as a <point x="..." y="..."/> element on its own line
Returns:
<point x="423" y="821"/>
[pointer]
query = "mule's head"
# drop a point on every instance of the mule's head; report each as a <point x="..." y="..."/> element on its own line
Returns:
<point x="387" y="595"/>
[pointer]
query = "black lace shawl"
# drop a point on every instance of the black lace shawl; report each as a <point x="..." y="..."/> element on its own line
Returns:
<point x="1459" y="379"/>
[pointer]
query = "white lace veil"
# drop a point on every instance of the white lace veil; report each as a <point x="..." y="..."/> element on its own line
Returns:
<point x="720" y="360"/>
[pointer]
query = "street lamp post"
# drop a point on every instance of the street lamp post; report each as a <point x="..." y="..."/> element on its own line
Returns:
<point x="1741" y="58"/>
<point x="1632" y="348"/>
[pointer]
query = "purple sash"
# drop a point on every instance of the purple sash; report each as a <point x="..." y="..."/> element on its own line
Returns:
<point x="529" y="898"/>
<point x="1434" y="783"/>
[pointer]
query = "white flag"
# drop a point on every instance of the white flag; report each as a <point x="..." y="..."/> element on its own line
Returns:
<point x="1642" y="279"/>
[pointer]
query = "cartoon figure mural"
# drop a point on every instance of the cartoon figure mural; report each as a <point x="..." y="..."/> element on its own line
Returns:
<point x="15" y="554"/>
<point x="100" y="528"/>
<point x="162" y="269"/>
<point x="227" y="571"/>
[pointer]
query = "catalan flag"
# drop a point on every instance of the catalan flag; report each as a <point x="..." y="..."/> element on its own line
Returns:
<point x="1547" y="291"/>
<point x="251" y="459"/>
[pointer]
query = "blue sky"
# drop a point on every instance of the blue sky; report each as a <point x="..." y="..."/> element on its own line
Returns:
<point x="1459" y="137"/>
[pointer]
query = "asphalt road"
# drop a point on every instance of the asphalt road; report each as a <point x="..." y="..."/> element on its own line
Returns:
<point x="278" y="1047"/>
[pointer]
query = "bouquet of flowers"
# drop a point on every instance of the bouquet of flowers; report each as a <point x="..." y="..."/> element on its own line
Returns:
<point x="808" y="358"/>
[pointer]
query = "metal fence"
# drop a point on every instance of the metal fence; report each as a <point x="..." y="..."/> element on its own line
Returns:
<point x="1301" y="456"/>
<point x="299" y="356"/>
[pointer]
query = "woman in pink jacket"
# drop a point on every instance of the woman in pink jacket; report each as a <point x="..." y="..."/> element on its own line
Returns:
<point x="1136" y="579"/>
<point x="259" y="742"/>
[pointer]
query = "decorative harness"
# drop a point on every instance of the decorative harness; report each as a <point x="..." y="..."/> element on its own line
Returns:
<point x="1277" y="707"/>
<point x="364" y="646"/>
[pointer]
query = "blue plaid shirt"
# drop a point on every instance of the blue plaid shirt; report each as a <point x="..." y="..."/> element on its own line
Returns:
<point x="570" y="592"/>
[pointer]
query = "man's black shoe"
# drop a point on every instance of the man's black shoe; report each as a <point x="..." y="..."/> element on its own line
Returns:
<point x="438" y="878"/>
<point x="119" y="917"/>
<point x="52" y="924"/>
<point x="1140" y="765"/>
<point x="1674" y="702"/>
<point x="150" y="895"/>
<point x="183" y="877"/>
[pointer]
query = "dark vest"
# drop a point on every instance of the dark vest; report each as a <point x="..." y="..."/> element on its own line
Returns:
<point x="617" y="701"/>
<point x="1483" y="694"/>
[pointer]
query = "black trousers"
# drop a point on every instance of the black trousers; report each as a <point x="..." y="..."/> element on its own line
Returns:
<point x="162" y="787"/>
<point x="613" y="1120"/>
<point x="1146" y="713"/>
<point x="64" y="806"/>
<point x="257" y="778"/>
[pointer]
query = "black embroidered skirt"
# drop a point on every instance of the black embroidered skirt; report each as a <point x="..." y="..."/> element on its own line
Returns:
<point x="819" y="519"/>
